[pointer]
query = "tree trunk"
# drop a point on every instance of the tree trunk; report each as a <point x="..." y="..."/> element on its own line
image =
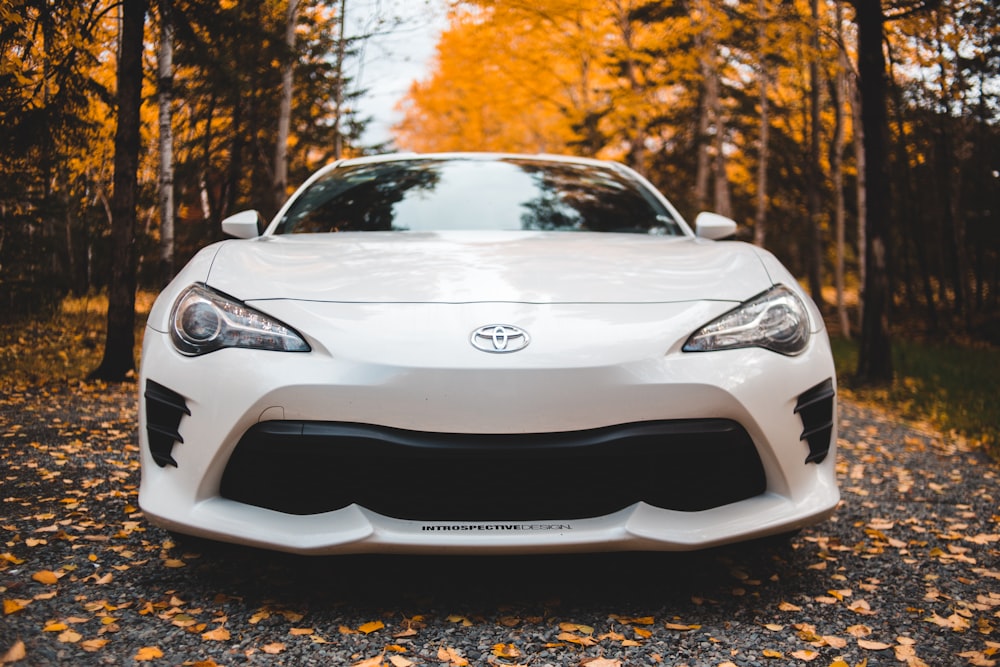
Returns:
<point x="760" y="216"/>
<point x="165" y="62"/>
<point x="837" y="169"/>
<point x="285" y="109"/>
<point x="119" y="359"/>
<point x="874" y="356"/>
<point x="338" y="95"/>
<point x="814" y="194"/>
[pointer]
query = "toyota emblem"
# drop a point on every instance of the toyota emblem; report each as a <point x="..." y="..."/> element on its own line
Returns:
<point x="500" y="338"/>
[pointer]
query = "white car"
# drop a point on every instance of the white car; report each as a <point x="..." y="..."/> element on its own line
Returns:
<point x="471" y="353"/>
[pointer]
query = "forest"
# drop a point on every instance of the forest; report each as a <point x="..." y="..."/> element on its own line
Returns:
<point x="750" y="109"/>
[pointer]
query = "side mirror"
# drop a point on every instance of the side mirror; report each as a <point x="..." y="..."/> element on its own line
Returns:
<point x="244" y="225"/>
<point x="713" y="226"/>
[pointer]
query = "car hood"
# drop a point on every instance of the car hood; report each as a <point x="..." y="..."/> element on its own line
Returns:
<point x="464" y="267"/>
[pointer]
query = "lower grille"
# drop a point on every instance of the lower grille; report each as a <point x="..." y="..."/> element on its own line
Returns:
<point x="815" y="407"/>
<point x="313" y="467"/>
<point x="164" y="410"/>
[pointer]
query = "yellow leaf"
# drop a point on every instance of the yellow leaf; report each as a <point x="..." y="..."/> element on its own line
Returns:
<point x="396" y="648"/>
<point x="147" y="654"/>
<point x="55" y="627"/>
<point x="371" y="627"/>
<point x="771" y="653"/>
<point x="174" y="562"/>
<point x="47" y="577"/>
<point x="219" y="634"/>
<point x="301" y="631"/>
<point x="455" y="618"/>
<point x="273" y="648"/>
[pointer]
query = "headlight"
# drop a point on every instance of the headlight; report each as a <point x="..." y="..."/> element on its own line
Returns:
<point x="203" y="321"/>
<point x="776" y="320"/>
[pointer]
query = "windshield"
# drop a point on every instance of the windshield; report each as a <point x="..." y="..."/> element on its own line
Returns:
<point x="436" y="194"/>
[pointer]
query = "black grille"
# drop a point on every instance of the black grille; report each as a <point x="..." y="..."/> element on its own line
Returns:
<point x="313" y="467"/>
<point x="164" y="409"/>
<point x="815" y="407"/>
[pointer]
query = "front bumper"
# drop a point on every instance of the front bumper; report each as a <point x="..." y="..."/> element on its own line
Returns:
<point x="232" y="393"/>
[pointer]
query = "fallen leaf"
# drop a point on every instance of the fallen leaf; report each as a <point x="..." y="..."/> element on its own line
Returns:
<point x="771" y="653"/>
<point x="681" y="627"/>
<point x="47" y="577"/>
<point x="55" y="627"/>
<point x="370" y="662"/>
<point x="371" y="627"/>
<point x="873" y="645"/>
<point x="506" y="651"/>
<point x="273" y="648"/>
<point x="298" y="632"/>
<point x="859" y="631"/>
<point x="69" y="637"/>
<point x="452" y="657"/>
<point x="602" y="662"/>
<point x="576" y="627"/>
<point x="174" y="562"/>
<point x="788" y="606"/>
<point x="805" y="655"/>
<point x="400" y="661"/>
<point x="148" y="654"/>
<point x="12" y="606"/>
<point x="954" y="622"/>
<point x="14" y="653"/>
<point x="92" y="645"/>
<point x="576" y="639"/>
<point x="219" y="634"/>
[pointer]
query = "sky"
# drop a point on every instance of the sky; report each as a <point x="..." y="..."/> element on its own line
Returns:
<point x="401" y="53"/>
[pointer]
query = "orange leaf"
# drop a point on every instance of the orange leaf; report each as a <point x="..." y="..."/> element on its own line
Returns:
<point x="371" y="627"/>
<point x="805" y="655"/>
<point x="92" y="645"/>
<point x="576" y="639"/>
<point x="219" y="634"/>
<point x="771" y="653"/>
<point x="370" y="662"/>
<point x="147" y="654"/>
<point x="452" y="657"/>
<point x="788" y="606"/>
<point x="11" y="606"/>
<point x="873" y="646"/>
<point x="681" y="626"/>
<point x="506" y="651"/>
<point x="47" y="577"/>
<point x="400" y="661"/>
<point x="174" y="562"/>
<point x="69" y="637"/>
<point x="301" y="631"/>
<point x="273" y="648"/>
<point x="55" y="627"/>
<point x="14" y="653"/>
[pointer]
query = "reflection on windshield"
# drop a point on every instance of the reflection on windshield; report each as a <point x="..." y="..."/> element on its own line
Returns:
<point x="476" y="193"/>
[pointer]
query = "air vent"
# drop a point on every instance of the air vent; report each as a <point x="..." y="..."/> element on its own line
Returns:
<point x="815" y="407"/>
<point x="164" y="410"/>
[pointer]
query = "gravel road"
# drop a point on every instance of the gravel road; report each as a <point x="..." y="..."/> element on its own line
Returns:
<point x="906" y="573"/>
